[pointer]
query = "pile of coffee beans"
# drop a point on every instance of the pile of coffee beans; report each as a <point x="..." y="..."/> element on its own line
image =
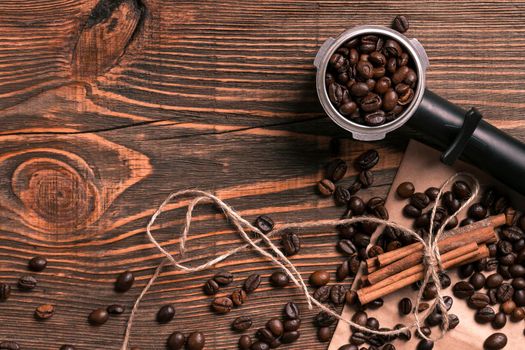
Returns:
<point x="370" y="79"/>
<point x="276" y="332"/>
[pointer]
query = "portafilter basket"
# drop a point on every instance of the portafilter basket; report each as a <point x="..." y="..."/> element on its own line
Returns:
<point x="437" y="122"/>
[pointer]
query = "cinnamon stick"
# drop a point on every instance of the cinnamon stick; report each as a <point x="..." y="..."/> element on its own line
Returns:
<point x="448" y="244"/>
<point x="389" y="257"/>
<point x="453" y="254"/>
<point x="371" y="293"/>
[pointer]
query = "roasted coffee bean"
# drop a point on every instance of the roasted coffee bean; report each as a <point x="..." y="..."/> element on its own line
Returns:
<point x="259" y="345"/>
<point x="466" y="270"/>
<point x="351" y="297"/>
<point x="264" y="335"/>
<point x="338" y="294"/>
<point x="507" y="307"/>
<point x="222" y="305"/>
<point x="477" y="280"/>
<point x="504" y="292"/>
<point x="324" y="319"/>
<point x="432" y="193"/>
<point x="347" y="247"/>
<point x="165" y="314"/>
<point x="504" y="271"/>
<point x="223" y="278"/>
<point x="291" y="325"/>
<point x="279" y="279"/>
<point x="504" y="248"/>
<point x="366" y="178"/>
<point x="124" y="281"/>
<point x="419" y="200"/>
<point x="242" y="323"/>
<point x="494" y="281"/>
<point x="495" y="341"/>
<point x="405" y="189"/>
<point x="371" y="103"/>
<point x="374" y="251"/>
<point x="115" y="309"/>
<point x="291" y="311"/>
<point x="422" y="307"/>
<point x="492" y="293"/>
<point x="98" y="317"/>
<point x="364" y="69"/>
<point x="176" y="341"/>
<point x="518" y="283"/>
<point x="453" y="321"/>
<point x="405" y="306"/>
<point x="463" y="290"/>
<point x="448" y="302"/>
<point x="356" y="205"/>
<point x="400" y="24"/>
<point x="425" y="345"/>
<point x="5" y="291"/>
<point x="275" y="326"/>
<point x="485" y="315"/>
<point x="290" y="337"/>
<point x="337" y="93"/>
<point x="359" y="89"/>
<point x="405" y="335"/>
<point x="445" y="280"/>
<point x="461" y="190"/>
<point x="291" y="243"/>
<point x="450" y="202"/>
<point x="425" y="331"/>
<point x="517" y="315"/>
<point x="478" y="300"/>
<point x="466" y="222"/>
<point x="326" y="187"/>
<point x="324" y="334"/>
<point x="238" y="296"/>
<point x="341" y="195"/>
<point x="411" y="211"/>
<point x="9" y="345"/>
<point x="517" y="270"/>
<point x="499" y="321"/>
<point x="430" y="292"/>
<point x="264" y="223"/>
<point x="519" y="297"/>
<point x="336" y="170"/>
<point x="69" y="347"/>
<point x="343" y="271"/>
<point x="374" y="304"/>
<point x="211" y="287"/>
<point x="322" y="294"/>
<point x="358" y="338"/>
<point x="252" y="283"/>
<point x="37" y="264"/>
<point x="195" y="341"/>
<point x="45" y="311"/>
<point x="433" y="319"/>
<point x="477" y="211"/>
<point x="360" y="317"/>
<point x="27" y="283"/>
<point x="388" y="347"/>
<point x="319" y="278"/>
<point x="367" y="160"/>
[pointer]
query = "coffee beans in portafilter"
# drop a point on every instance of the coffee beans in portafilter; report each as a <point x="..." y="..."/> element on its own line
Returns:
<point x="371" y="79"/>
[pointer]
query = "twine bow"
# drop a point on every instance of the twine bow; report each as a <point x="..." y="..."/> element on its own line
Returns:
<point x="432" y="258"/>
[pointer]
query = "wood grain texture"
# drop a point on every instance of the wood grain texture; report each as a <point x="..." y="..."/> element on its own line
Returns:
<point x="108" y="105"/>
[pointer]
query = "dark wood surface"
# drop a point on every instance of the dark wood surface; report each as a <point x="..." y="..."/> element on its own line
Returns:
<point x="106" y="107"/>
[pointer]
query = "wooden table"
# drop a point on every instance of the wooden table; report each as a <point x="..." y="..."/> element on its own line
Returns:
<point x="107" y="107"/>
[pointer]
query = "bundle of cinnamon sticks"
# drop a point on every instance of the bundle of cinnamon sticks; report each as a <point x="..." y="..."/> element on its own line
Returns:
<point x="393" y="270"/>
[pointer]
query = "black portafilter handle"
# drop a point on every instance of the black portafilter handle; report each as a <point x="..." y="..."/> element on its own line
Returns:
<point x="462" y="134"/>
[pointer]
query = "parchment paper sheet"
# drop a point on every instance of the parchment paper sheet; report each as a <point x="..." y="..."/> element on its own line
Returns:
<point x="422" y="167"/>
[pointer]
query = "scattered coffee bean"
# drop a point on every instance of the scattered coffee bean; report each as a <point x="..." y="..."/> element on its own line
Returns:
<point x="165" y="314"/>
<point x="223" y="278"/>
<point x="176" y="341"/>
<point x="495" y="341"/>
<point x="37" y="264"/>
<point x="124" y="281"/>
<point x="115" y="309"/>
<point x="494" y="281"/>
<point x="519" y="297"/>
<point x="290" y="337"/>
<point x="338" y="294"/>
<point x="499" y="321"/>
<point x="252" y="283"/>
<point x="291" y="311"/>
<point x="478" y="300"/>
<point x="517" y="315"/>
<point x="336" y="170"/>
<point x="341" y="196"/>
<point x="507" y="307"/>
<point x="464" y="271"/>
<point x="477" y="211"/>
<point x="324" y="319"/>
<point x="477" y="280"/>
<point x="242" y="323"/>
<point x="319" y="278"/>
<point x="350" y="297"/>
<point x="326" y="187"/>
<point x="463" y="290"/>
<point x="69" y="347"/>
<point x="5" y="291"/>
<point x="324" y="334"/>
<point x="264" y="223"/>
<point x="265" y="335"/>
<point x="425" y="345"/>
<point x="422" y="307"/>
<point x="485" y="315"/>
<point x="453" y="321"/>
<point x="245" y="342"/>
<point x="322" y="294"/>
<point x="259" y="345"/>
<point x="27" y="283"/>
<point x="238" y="296"/>
<point x="366" y="178"/>
<point x="400" y="24"/>
<point x="98" y="317"/>
<point x="279" y="279"/>
<point x="367" y="160"/>
<point x="405" y="306"/>
<point x="461" y="190"/>
<point x="222" y="305"/>
<point x="291" y="243"/>
<point x="195" y="341"/>
<point x="411" y="212"/>
<point x="347" y="247"/>
<point x="504" y="292"/>
<point x="211" y="287"/>
<point x="276" y="327"/>
<point x="405" y="190"/>
<point x="44" y="312"/>
<point x="9" y="345"/>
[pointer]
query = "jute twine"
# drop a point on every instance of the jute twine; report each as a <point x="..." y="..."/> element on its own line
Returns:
<point x="432" y="257"/>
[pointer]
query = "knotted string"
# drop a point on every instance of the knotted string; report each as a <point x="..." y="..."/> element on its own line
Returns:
<point x="432" y="257"/>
